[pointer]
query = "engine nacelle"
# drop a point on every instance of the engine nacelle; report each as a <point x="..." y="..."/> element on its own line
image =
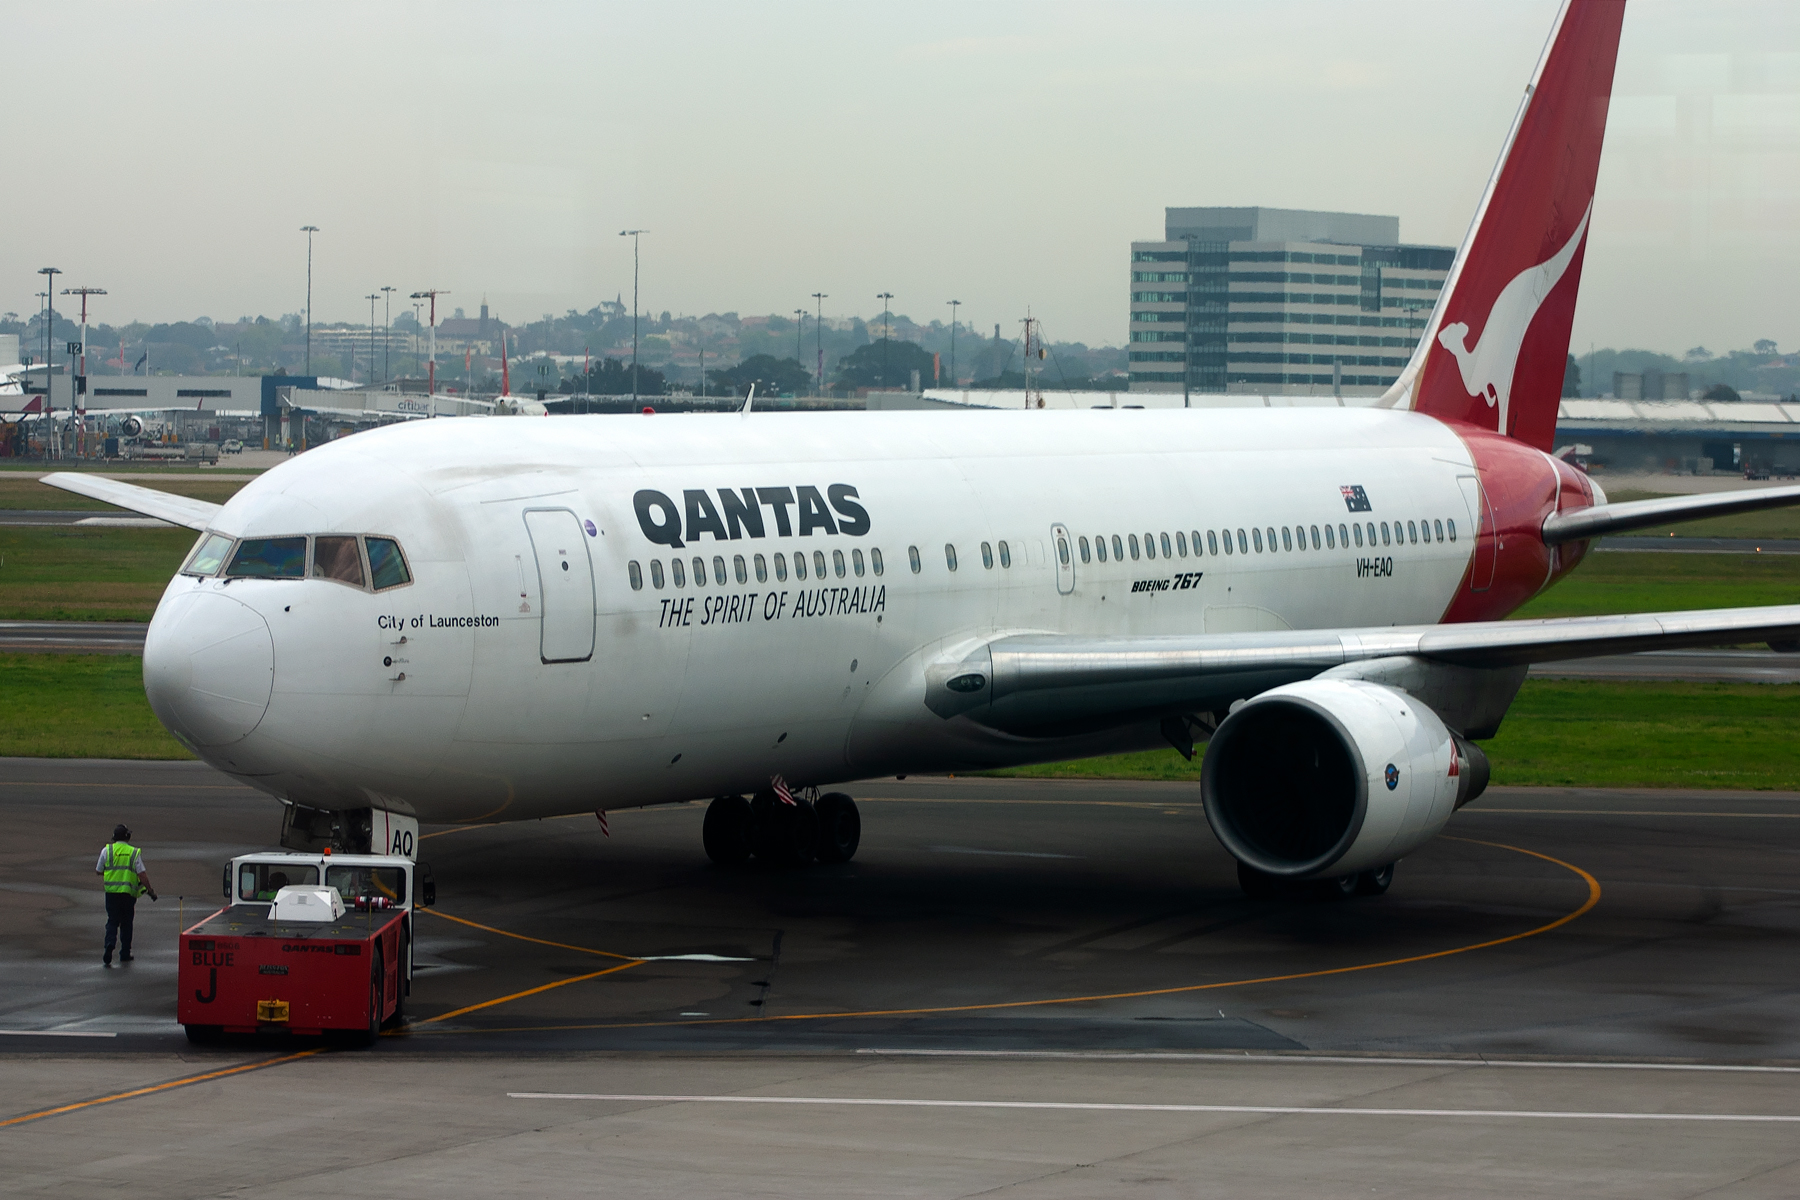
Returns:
<point x="131" y="426"/>
<point x="1328" y="777"/>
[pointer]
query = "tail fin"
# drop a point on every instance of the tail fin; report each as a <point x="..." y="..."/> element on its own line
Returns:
<point x="1494" y="351"/>
<point x="505" y="374"/>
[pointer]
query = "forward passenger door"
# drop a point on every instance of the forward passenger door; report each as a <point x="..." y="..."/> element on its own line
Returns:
<point x="565" y="584"/>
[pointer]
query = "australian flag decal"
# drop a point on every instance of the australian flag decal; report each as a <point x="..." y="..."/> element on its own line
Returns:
<point x="1355" y="499"/>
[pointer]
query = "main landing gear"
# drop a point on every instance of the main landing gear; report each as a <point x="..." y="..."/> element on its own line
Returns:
<point x="1260" y="885"/>
<point x="781" y="834"/>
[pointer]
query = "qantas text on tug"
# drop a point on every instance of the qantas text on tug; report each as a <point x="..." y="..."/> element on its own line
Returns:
<point x="490" y="620"/>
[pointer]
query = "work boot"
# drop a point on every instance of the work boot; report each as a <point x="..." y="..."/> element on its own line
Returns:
<point x="106" y="959"/>
<point x="125" y="957"/>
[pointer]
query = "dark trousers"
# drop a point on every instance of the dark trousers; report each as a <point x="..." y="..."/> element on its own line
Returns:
<point x="120" y="909"/>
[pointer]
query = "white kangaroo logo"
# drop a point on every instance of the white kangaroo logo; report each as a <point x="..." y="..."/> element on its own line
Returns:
<point x="1487" y="370"/>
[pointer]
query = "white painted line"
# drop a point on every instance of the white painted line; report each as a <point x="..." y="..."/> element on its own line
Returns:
<point x="52" y="1033"/>
<point x="1344" y="1059"/>
<point x="1251" y="1109"/>
<point x="999" y="853"/>
<point x="689" y="958"/>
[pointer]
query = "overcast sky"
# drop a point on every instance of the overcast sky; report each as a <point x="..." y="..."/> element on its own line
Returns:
<point x="997" y="153"/>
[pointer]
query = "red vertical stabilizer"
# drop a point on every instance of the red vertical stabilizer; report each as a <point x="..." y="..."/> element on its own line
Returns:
<point x="1495" y="350"/>
<point x="506" y="375"/>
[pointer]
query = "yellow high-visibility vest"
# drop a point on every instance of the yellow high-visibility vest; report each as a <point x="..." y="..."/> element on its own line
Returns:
<point x="119" y="876"/>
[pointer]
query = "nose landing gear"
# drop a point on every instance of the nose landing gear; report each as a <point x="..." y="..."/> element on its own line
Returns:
<point x="781" y="834"/>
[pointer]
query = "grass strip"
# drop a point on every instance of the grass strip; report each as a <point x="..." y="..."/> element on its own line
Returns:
<point x="1632" y="581"/>
<point x="84" y="573"/>
<point x="1575" y="733"/>
<point x="79" y="706"/>
<point x="29" y="493"/>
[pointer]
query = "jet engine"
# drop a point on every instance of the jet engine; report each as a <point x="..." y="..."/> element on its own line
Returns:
<point x="131" y="426"/>
<point x="1330" y="777"/>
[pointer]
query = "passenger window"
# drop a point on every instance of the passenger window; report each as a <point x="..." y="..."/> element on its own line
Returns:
<point x="209" y="555"/>
<point x="912" y="557"/>
<point x="781" y="568"/>
<point x="269" y="558"/>
<point x="656" y="575"/>
<point x="337" y="558"/>
<point x="799" y="564"/>
<point x="1256" y="536"/>
<point x="1440" y="530"/>
<point x="260" y="881"/>
<point x="875" y="560"/>
<point x="950" y="556"/>
<point x="1212" y="543"/>
<point x="1243" y="544"/>
<point x="1082" y="545"/>
<point x="856" y="562"/>
<point x="1181" y="543"/>
<point x="699" y="571"/>
<point x="386" y="564"/>
<point x="678" y="572"/>
<point x="1100" y="548"/>
<point x="719" y="569"/>
<point x="1344" y="536"/>
<point x="1271" y="540"/>
<point x="1165" y="546"/>
<point x="819" y="564"/>
<point x="1134" y="548"/>
<point x="1062" y="549"/>
<point x="1119" y="549"/>
<point x="762" y="569"/>
<point x="637" y="576"/>
<point x="837" y="562"/>
<point x="1451" y="526"/>
<point x="1315" y="537"/>
<point x="1358" y="528"/>
<point x="738" y="569"/>
<point x="987" y="556"/>
<point x="1196" y="537"/>
<point x="1330" y="538"/>
<point x="1287" y="539"/>
<point x="1005" y="555"/>
<point x="1384" y="533"/>
<point x="1149" y="545"/>
<point x="1371" y="535"/>
<point x="1412" y="533"/>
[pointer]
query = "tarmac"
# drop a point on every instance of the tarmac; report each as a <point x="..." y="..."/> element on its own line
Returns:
<point x="1043" y="988"/>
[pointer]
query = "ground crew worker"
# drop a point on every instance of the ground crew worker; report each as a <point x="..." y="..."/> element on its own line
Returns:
<point x="121" y="866"/>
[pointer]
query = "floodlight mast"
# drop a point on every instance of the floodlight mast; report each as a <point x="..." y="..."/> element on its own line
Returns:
<point x="431" y="294"/>
<point x="79" y="386"/>
<point x="309" y="230"/>
<point x="819" y="335"/>
<point x="633" y="235"/>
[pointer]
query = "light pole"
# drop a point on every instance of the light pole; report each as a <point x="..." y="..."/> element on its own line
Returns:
<point x="633" y="235"/>
<point x="884" y="297"/>
<point x="309" y="230"/>
<point x="953" y="307"/>
<point x="80" y="386"/>
<point x="418" y="320"/>
<point x="49" y="274"/>
<point x="431" y="294"/>
<point x="799" y="327"/>
<point x="372" y="297"/>
<point x="819" y="335"/>
<point x="387" y="327"/>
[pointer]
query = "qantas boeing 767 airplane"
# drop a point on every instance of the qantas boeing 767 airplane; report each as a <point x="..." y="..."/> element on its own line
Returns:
<point x="479" y="620"/>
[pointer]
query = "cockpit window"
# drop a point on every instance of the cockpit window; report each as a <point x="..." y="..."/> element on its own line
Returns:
<point x="269" y="558"/>
<point x="209" y="555"/>
<point x="387" y="564"/>
<point x="337" y="558"/>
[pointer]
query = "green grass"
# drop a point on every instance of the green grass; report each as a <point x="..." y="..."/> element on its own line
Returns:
<point x="1770" y="523"/>
<point x="1579" y="734"/>
<point x="29" y="493"/>
<point x="79" y="706"/>
<point x="1631" y="581"/>
<point x="76" y="573"/>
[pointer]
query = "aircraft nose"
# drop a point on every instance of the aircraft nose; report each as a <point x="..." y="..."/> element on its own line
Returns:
<point x="209" y="667"/>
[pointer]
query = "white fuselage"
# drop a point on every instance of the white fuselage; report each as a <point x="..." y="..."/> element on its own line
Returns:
<point x="435" y="697"/>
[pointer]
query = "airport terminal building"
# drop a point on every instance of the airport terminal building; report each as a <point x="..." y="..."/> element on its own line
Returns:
<point x="1278" y="302"/>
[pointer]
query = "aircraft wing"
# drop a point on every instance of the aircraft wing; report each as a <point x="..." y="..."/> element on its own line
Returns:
<point x="195" y="514"/>
<point x="1034" y="682"/>
<point x="1601" y="519"/>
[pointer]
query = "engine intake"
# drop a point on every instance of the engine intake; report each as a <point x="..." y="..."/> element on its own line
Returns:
<point x="1329" y="777"/>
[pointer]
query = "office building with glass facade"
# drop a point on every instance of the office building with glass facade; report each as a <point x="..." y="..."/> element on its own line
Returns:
<point x="1278" y="302"/>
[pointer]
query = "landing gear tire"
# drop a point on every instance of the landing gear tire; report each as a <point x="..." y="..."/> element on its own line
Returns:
<point x="1341" y="888"/>
<point x="783" y="835"/>
<point x="377" y="988"/>
<point x="726" y="833"/>
<point x="840" y="828"/>
<point x="1260" y="885"/>
<point x="1376" y="882"/>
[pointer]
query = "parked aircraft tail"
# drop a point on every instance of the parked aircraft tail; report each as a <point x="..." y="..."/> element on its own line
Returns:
<point x="1494" y="351"/>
